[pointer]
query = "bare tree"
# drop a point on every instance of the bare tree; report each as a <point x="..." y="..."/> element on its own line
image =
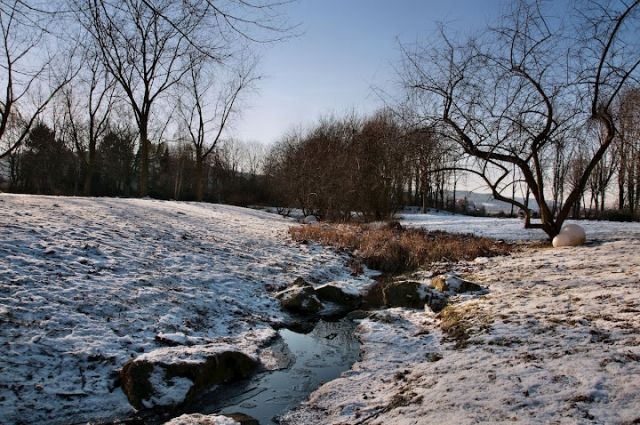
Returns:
<point x="253" y="158"/>
<point x="88" y="108"/>
<point x="144" y="54"/>
<point x="35" y="64"/>
<point x="208" y="102"/>
<point x="628" y="150"/>
<point x="601" y="177"/>
<point x="149" y="45"/>
<point x="116" y="154"/>
<point x="507" y="94"/>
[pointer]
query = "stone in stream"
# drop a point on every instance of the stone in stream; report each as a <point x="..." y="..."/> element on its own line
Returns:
<point x="452" y="284"/>
<point x="413" y="295"/>
<point x="340" y="293"/>
<point x="168" y="378"/>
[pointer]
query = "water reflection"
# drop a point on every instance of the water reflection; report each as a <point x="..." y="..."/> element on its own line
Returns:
<point x="315" y="358"/>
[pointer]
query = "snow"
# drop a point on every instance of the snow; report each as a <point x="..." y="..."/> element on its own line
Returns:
<point x="512" y="228"/>
<point x="346" y="288"/>
<point x="197" y="419"/>
<point x="556" y="339"/>
<point x="173" y="391"/>
<point x="89" y="283"/>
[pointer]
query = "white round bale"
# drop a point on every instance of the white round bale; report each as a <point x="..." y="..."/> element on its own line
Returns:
<point x="570" y="235"/>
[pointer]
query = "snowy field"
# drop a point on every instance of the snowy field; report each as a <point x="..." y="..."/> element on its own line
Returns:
<point x="86" y="284"/>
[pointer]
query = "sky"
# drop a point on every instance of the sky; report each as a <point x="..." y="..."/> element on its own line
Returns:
<point x="346" y="47"/>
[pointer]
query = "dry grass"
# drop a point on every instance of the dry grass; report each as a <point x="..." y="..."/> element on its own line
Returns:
<point x="391" y="248"/>
<point x="460" y="322"/>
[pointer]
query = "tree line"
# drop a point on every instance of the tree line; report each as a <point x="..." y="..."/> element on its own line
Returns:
<point x="368" y="167"/>
<point x="48" y="163"/>
<point x="82" y="74"/>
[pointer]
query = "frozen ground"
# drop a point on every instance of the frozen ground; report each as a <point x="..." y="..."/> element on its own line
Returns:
<point x="555" y="341"/>
<point x="86" y="284"/>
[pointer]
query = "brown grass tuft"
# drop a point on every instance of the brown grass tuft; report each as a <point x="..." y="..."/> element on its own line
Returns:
<point x="459" y="323"/>
<point x="391" y="248"/>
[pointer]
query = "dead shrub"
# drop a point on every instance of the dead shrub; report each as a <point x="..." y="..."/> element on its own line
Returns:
<point x="391" y="248"/>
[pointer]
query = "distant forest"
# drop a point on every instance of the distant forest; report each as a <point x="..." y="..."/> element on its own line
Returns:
<point x="343" y="165"/>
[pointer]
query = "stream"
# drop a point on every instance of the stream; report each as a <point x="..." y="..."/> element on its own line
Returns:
<point x="314" y="358"/>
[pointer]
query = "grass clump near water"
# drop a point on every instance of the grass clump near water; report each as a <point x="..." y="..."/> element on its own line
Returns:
<point x="391" y="248"/>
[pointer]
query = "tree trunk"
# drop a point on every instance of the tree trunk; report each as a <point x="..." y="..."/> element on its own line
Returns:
<point x="199" y="175"/>
<point x="144" y="159"/>
<point x="90" y="171"/>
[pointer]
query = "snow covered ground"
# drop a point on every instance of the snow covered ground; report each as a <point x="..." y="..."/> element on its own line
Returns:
<point x="555" y="341"/>
<point x="86" y="284"/>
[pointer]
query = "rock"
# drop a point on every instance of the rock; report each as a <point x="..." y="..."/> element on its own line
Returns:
<point x="451" y="283"/>
<point x="435" y="300"/>
<point x="300" y="282"/>
<point x="300" y="299"/>
<point x="168" y="378"/>
<point x="311" y="219"/>
<point x="413" y="295"/>
<point x="403" y="294"/>
<point x="340" y="293"/>
<point x="440" y="283"/>
<point x="200" y="419"/>
<point x="372" y="297"/>
<point x="242" y="419"/>
<point x="358" y="314"/>
<point x="570" y="235"/>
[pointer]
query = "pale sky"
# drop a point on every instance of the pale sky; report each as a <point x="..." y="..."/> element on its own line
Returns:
<point x="347" y="46"/>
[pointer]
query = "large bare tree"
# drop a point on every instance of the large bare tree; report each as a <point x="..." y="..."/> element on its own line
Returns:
<point x="542" y="76"/>
<point x="144" y="53"/>
<point x="35" y="64"/>
<point x="149" y="45"/>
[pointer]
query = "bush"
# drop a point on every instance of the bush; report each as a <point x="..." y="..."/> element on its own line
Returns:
<point x="392" y="248"/>
<point x="617" y="215"/>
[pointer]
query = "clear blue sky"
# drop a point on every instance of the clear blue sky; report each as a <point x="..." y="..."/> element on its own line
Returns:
<point x="347" y="46"/>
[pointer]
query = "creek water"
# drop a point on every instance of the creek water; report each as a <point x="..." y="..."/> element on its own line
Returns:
<point x="313" y="359"/>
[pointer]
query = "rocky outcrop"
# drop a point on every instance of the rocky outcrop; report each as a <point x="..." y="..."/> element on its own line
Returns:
<point x="413" y="295"/>
<point x="403" y="294"/>
<point x="340" y="293"/>
<point x="171" y="377"/>
<point x="452" y="284"/>
<point x="300" y="298"/>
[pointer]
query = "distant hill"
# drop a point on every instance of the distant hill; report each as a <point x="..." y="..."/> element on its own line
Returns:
<point x="491" y="205"/>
